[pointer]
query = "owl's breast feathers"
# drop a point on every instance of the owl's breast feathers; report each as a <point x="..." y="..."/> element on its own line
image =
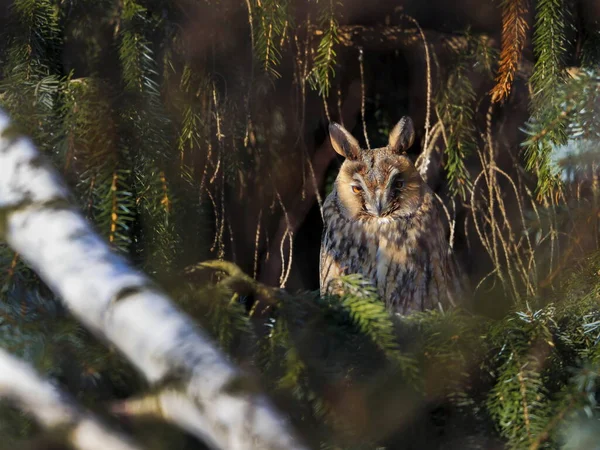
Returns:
<point x="408" y="259"/>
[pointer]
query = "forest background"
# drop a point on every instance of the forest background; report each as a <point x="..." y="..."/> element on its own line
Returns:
<point x="195" y="131"/>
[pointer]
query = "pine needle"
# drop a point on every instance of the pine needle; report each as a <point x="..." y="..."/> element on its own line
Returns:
<point x="514" y="33"/>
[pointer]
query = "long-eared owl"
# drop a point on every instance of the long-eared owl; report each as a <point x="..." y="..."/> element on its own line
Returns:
<point x="381" y="221"/>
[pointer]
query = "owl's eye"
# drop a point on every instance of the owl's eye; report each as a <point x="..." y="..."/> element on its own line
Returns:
<point x="356" y="189"/>
<point x="399" y="183"/>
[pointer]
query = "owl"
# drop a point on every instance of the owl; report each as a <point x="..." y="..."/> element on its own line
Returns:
<point x="382" y="222"/>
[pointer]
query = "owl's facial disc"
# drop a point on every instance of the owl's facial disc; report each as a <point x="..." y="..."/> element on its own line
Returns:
<point x="384" y="193"/>
<point x="380" y="185"/>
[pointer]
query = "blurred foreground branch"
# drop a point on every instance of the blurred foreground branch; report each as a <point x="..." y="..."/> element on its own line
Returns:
<point x="216" y="402"/>
<point x="55" y="410"/>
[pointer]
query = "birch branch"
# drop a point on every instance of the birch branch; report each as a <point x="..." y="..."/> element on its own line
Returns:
<point x="54" y="409"/>
<point x="215" y="401"/>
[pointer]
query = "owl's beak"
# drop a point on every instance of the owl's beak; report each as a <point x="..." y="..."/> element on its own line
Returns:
<point x="380" y="204"/>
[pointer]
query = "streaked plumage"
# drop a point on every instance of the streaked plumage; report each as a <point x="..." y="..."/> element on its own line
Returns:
<point x="381" y="221"/>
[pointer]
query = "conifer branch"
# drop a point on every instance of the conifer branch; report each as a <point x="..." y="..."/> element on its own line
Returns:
<point x="273" y="22"/>
<point x="55" y="410"/>
<point x="455" y="110"/>
<point x="549" y="42"/>
<point x="321" y="75"/>
<point x="241" y="283"/>
<point x="118" y="303"/>
<point x="514" y="33"/>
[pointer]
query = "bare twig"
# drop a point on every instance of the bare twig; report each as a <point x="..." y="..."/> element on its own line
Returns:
<point x="428" y="67"/>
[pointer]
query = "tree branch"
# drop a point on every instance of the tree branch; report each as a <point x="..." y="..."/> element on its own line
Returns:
<point x="389" y="37"/>
<point x="216" y="401"/>
<point x="54" y="409"/>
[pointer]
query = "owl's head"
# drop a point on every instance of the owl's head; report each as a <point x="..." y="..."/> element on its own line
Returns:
<point x="380" y="183"/>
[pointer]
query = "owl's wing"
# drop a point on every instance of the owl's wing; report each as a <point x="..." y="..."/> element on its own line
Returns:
<point x="329" y="265"/>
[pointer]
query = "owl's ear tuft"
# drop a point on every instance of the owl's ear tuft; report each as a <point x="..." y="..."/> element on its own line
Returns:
<point x="402" y="136"/>
<point x="343" y="142"/>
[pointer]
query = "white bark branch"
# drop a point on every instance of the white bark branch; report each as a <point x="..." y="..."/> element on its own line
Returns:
<point x="121" y="305"/>
<point x="53" y="409"/>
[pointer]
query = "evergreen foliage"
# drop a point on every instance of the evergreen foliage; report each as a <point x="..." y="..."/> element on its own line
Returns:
<point x="273" y="21"/>
<point x="548" y="75"/>
<point x="514" y="33"/>
<point x="323" y="67"/>
<point x="455" y="110"/>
